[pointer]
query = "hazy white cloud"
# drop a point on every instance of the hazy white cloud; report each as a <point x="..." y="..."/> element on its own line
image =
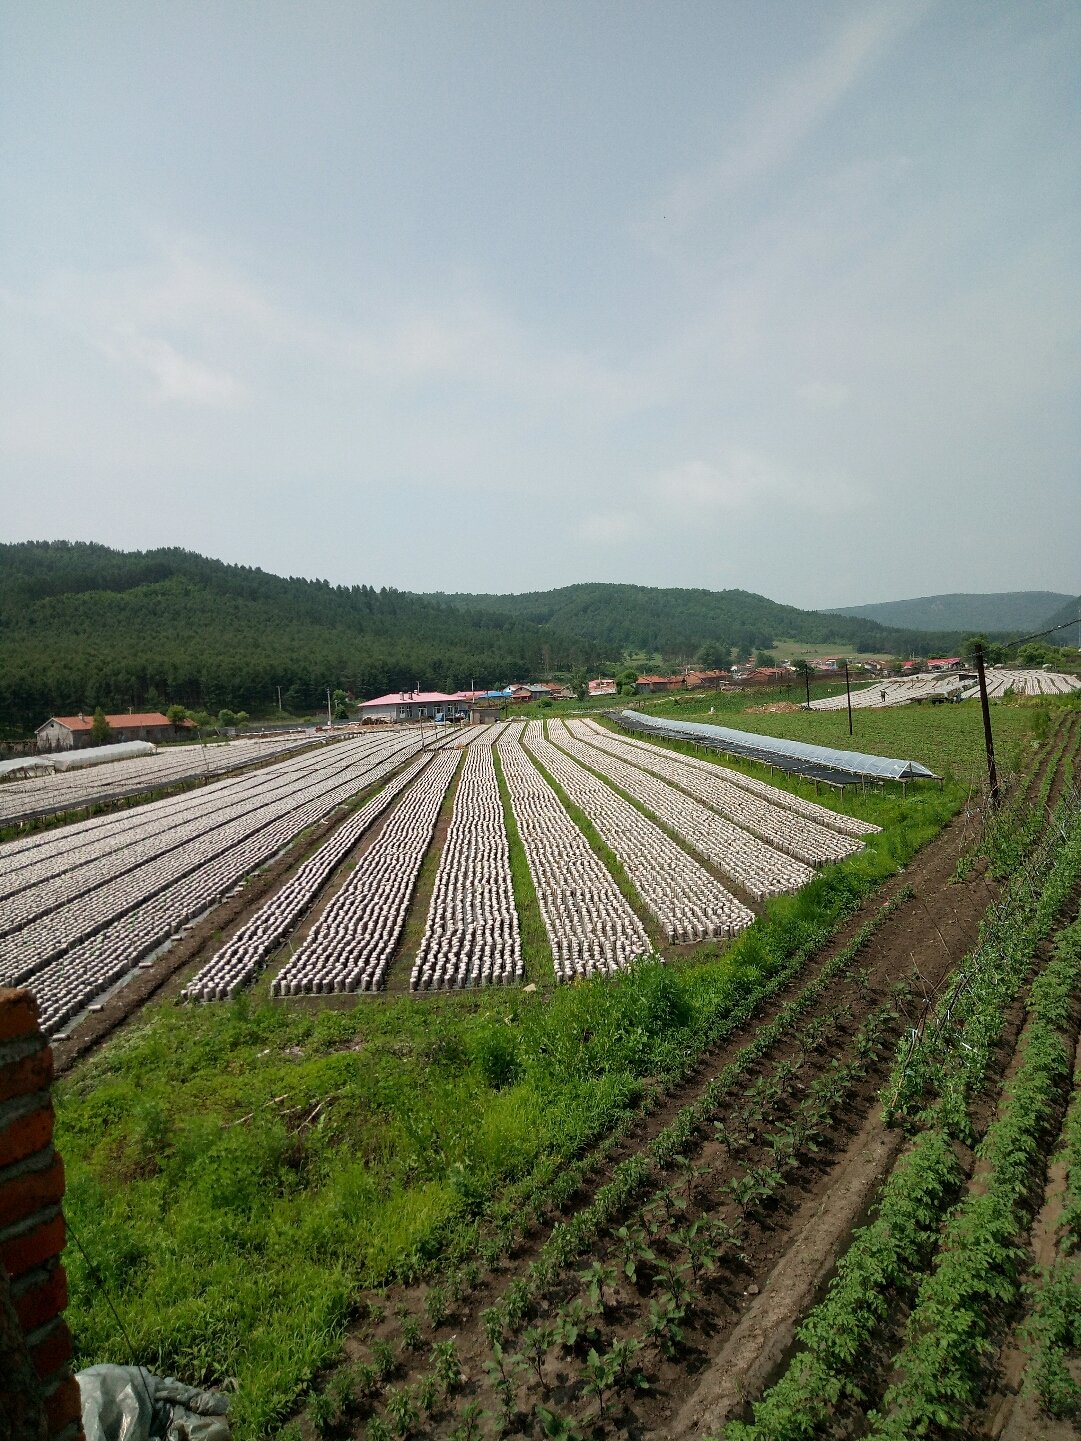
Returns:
<point x="775" y="127"/>
<point x="176" y="377"/>
<point x="744" y="480"/>
<point x="608" y="528"/>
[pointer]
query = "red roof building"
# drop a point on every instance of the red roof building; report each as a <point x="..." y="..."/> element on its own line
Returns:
<point x="72" y="732"/>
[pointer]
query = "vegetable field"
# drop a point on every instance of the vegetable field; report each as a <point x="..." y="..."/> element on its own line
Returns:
<point x="766" y="1163"/>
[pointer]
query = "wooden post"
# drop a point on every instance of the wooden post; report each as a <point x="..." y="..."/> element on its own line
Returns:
<point x="848" y="693"/>
<point x="988" y="738"/>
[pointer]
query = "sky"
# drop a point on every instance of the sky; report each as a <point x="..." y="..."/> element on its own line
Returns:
<point x="783" y="296"/>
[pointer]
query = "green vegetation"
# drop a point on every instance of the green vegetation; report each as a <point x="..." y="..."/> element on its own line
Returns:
<point x="83" y="626"/>
<point x="948" y="738"/>
<point x="940" y="1069"/>
<point x="621" y="619"/>
<point x="239" y="1172"/>
<point x="978" y="1266"/>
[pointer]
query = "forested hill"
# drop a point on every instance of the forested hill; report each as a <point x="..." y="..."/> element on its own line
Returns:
<point x="675" y="622"/>
<point x="1019" y="611"/>
<point x="1067" y="612"/>
<point x="82" y="625"/>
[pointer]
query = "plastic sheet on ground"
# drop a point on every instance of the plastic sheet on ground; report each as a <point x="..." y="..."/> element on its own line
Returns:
<point x="129" y="1403"/>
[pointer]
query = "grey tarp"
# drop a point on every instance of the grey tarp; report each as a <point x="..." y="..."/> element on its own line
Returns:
<point x="128" y="1403"/>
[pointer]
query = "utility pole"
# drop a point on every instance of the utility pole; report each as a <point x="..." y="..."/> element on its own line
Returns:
<point x="988" y="738"/>
<point x="330" y="722"/>
<point x="848" y="693"/>
<point x="279" y="690"/>
<point x="807" y="682"/>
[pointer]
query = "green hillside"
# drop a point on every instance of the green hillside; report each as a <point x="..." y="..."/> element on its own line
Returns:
<point x="675" y="622"/>
<point x="82" y="625"/>
<point x="1066" y="613"/>
<point x="1006" y="612"/>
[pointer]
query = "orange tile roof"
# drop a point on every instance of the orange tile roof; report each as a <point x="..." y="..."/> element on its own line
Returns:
<point x="117" y="722"/>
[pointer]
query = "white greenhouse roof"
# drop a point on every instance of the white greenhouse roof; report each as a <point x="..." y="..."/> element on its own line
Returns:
<point x="764" y="747"/>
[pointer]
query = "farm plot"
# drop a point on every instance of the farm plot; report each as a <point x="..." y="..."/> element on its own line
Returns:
<point x="472" y="936"/>
<point x="243" y="957"/>
<point x="113" y="890"/>
<point x="898" y="690"/>
<point x="349" y="1146"/>
<point x="89" y="945"/>
<point x="758" y="868"/>
<point x="351" y="945"/>
<point x="655" y="1305"/>
<point x="46" y="882"/>
<point x="781" y="828"/>
<point x="47" y="795"/>
<point x="1002" y="680"/>
<point x="687" y="901"/>
<point x="833" y="820"/>
<point x="591" y="927"/>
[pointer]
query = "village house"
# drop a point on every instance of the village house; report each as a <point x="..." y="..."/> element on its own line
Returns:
<point x="72" y="732"/>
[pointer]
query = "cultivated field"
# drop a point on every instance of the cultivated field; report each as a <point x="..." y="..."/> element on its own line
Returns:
<point x="595" y="1208"/>
<point x="86" y="906"/>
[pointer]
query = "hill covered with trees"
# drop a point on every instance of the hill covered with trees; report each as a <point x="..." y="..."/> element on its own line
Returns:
<point x="83" y="626"/>
<point x="674" y="622"/>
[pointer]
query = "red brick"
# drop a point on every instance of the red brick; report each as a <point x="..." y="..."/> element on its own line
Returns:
<point x="41" y="1304"/>
<point x="64" y="1406"/>
<point x="18" y="1014"/>
<point x="23" y="1078"/>
<point x="52" y="1353"/>
<point x="26" y="1135"/>
<point x="32" y="1248"/>
<point x="31" y="1192"/>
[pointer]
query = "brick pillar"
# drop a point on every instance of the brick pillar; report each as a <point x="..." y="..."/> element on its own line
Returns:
<point x="42" y="1404"/>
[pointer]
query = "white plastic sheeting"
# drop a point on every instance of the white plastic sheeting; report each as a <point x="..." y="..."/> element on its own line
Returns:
<point x="101" y="755"/>
<point x="747" y="742"/>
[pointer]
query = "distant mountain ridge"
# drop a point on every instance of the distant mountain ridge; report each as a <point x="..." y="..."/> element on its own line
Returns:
<point x="1003" y="612"/>
<point x="1066" y="616"/>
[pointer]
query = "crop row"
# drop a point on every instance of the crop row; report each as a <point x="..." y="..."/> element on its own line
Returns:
<point x="770" y="821"/>
<point x="886" y="1260"/>
<point x="165" y="829"/>
<point x="351" y="945"/>
<point x="758" y="868"/>
<point x="471" y="936"/>
<point x="631" y="1178"/>
<point x="652" y="1272"/>
<point x="1053" y="1326"/>
<point x="246" y="953"/>
<point x="64" y="986"/>
<point x="102" y="783"/>
<point x="591" y="927"/>
<point x="941" y="1369"/>
<point x="688" y="902"/>
<point x="835" y="820"/>
<point x="48" y="937"/>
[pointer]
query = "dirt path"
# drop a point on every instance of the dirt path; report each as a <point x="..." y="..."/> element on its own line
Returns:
<point x="761" y="1343"/>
